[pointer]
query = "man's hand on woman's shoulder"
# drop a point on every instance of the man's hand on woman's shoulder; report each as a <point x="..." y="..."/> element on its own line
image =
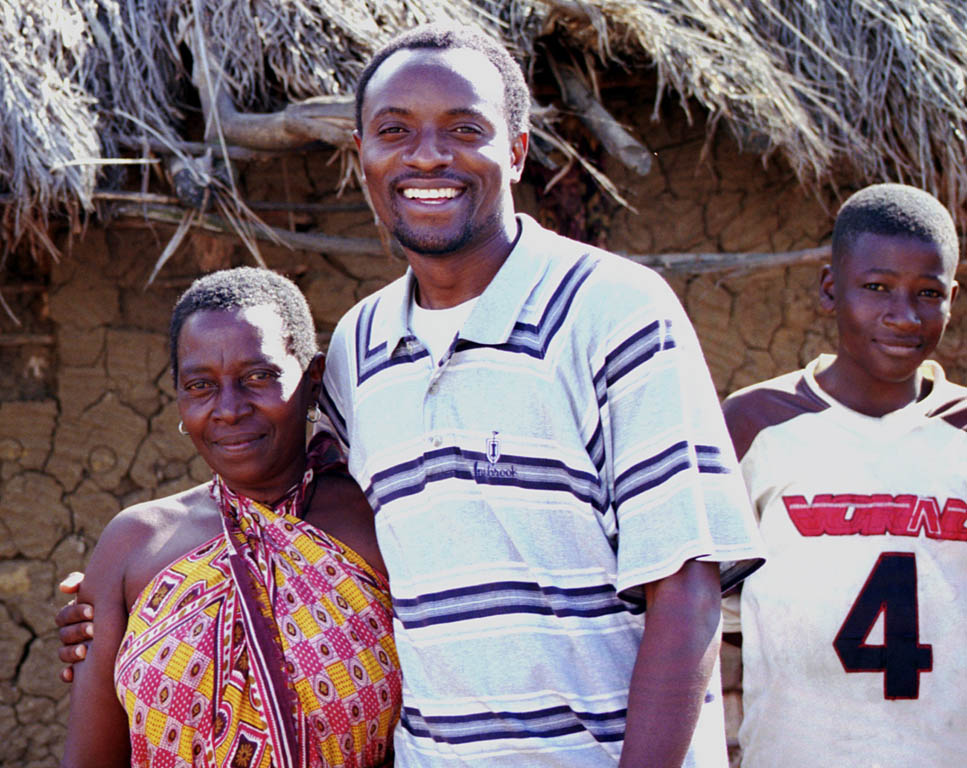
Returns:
<point x="76" y="622"/>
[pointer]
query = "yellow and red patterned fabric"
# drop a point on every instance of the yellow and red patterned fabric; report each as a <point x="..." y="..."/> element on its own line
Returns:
<point x="270" y="645"/>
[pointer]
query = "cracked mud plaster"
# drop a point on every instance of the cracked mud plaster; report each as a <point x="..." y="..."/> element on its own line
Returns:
<point x="104" y="435"/>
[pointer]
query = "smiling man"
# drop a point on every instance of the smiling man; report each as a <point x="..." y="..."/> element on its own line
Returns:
<point x="557" y="501"/>
<point x="440" y="150"/>
<point x="532" y="420"/>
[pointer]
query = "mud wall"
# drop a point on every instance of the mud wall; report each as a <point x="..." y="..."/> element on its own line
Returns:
<point x="87" y="415"/>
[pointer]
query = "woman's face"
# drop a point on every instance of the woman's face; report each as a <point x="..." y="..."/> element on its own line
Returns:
<point x="243" y="398"/>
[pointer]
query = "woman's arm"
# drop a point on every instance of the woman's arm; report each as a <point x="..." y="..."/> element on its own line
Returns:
<point x="97" y="730"/>
<point x="340" y="508"/>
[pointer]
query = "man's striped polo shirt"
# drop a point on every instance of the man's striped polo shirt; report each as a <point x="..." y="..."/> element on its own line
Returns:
<point x="568" y="449"/>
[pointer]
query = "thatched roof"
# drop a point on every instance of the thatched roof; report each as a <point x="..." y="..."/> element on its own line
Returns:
<point x="867" y="89"/>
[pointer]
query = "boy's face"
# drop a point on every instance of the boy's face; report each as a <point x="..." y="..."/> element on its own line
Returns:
<point x="892" y="297"/>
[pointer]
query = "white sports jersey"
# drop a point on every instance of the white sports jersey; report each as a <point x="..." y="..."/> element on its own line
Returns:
<point x="567" y="448"/>
<point x="855" y="631"/>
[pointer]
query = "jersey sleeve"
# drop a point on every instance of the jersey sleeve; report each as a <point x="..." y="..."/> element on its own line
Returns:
<point x="674" y="481"/>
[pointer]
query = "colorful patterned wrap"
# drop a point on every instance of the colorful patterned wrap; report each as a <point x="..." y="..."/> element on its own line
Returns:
<point x="209" y="678"/>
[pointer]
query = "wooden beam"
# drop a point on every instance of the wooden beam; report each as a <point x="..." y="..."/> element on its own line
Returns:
<point x="25" y="339"/>
<point x="616" y="140"/>
<point x="329" y="119"/>
<point x="698" y="263"/>
<point x="198" y="148"/>
<point x="302" y="241"/>
<point x="256" y="205"/>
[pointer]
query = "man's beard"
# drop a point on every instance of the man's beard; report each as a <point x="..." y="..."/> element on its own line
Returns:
<point x="430" y="242"/>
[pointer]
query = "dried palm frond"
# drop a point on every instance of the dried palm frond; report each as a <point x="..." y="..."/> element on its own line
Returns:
<point x="848" y="90"/>
<point x="80" y="79"/>
<point x="872" y="90"/>
<point x="47" y="120"/>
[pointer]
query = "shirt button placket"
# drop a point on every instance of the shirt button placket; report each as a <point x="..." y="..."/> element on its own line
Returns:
<point x="429" y="421"/>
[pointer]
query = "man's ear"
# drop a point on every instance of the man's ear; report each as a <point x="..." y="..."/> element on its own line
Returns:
<point x="518" y="154"/>
<point x="827" y="289"/>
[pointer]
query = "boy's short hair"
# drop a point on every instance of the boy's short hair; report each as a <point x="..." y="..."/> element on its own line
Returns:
<point x="443" y="37"/>
<point x="242" y="287"/>
<point x="895" y="210"/>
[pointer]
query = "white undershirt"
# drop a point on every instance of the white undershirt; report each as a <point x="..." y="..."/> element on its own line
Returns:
<point x="437" y="327"/>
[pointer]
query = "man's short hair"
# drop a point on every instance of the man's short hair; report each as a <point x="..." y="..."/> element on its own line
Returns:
<point x="445" y="37"/>
<point x="242" y="287"/>
<point x="895" y="210"/>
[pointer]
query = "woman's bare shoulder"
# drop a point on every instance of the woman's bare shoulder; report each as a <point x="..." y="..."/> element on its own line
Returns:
<point x="339" y="507"/>
<point x="153" y="534"/>
<point x="148" y="516"/>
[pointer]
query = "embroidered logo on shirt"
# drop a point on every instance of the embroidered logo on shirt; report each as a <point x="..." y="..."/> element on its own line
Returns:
<point x="491" y="472"/>
<point x="493" y="448"/>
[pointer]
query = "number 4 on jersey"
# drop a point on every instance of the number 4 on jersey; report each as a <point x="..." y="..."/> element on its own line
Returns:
<point x="891" y="588"/>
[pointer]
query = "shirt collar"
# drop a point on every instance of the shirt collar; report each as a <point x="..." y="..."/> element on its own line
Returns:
<point x="391" y="315"/>
<point x="499" y="306"/>
<point x="929" y="369"/>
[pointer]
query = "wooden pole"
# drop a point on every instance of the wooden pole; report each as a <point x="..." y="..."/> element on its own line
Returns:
<point x="302" y="241"/>
<point x="698" y="263"/>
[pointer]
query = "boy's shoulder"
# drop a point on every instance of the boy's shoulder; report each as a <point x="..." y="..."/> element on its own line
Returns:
<point x="949" y="401"/>
<point x="752" y="409"/>
<point x="770" y="403"/>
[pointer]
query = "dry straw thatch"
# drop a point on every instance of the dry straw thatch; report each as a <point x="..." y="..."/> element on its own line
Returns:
<point x="860" y="90"/>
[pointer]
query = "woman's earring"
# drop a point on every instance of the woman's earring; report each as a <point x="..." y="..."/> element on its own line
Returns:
<point x="314" y="414"/>
<point x="181" y="428"/>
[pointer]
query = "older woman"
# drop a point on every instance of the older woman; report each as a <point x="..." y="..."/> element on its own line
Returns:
<point x="244" y="622"/>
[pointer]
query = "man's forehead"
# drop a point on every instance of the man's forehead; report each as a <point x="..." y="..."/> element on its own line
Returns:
<point x="480" y="75"/>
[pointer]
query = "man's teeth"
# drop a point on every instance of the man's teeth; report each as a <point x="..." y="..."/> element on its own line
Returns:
<point x="429" y="194"/>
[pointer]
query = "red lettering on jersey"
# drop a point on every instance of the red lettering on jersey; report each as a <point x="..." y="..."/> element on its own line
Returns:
<point x="926" y="515"/>
<point x="953" y="522"/>
<point x="848" y="514"/>
<point x="880" y="513"/>
<point x="902" y="514"/>
<point x="806" y="519"/>
<point x="844" y="513"/>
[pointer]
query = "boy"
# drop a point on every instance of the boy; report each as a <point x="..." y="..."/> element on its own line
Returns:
<point x="853" y="632"/>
